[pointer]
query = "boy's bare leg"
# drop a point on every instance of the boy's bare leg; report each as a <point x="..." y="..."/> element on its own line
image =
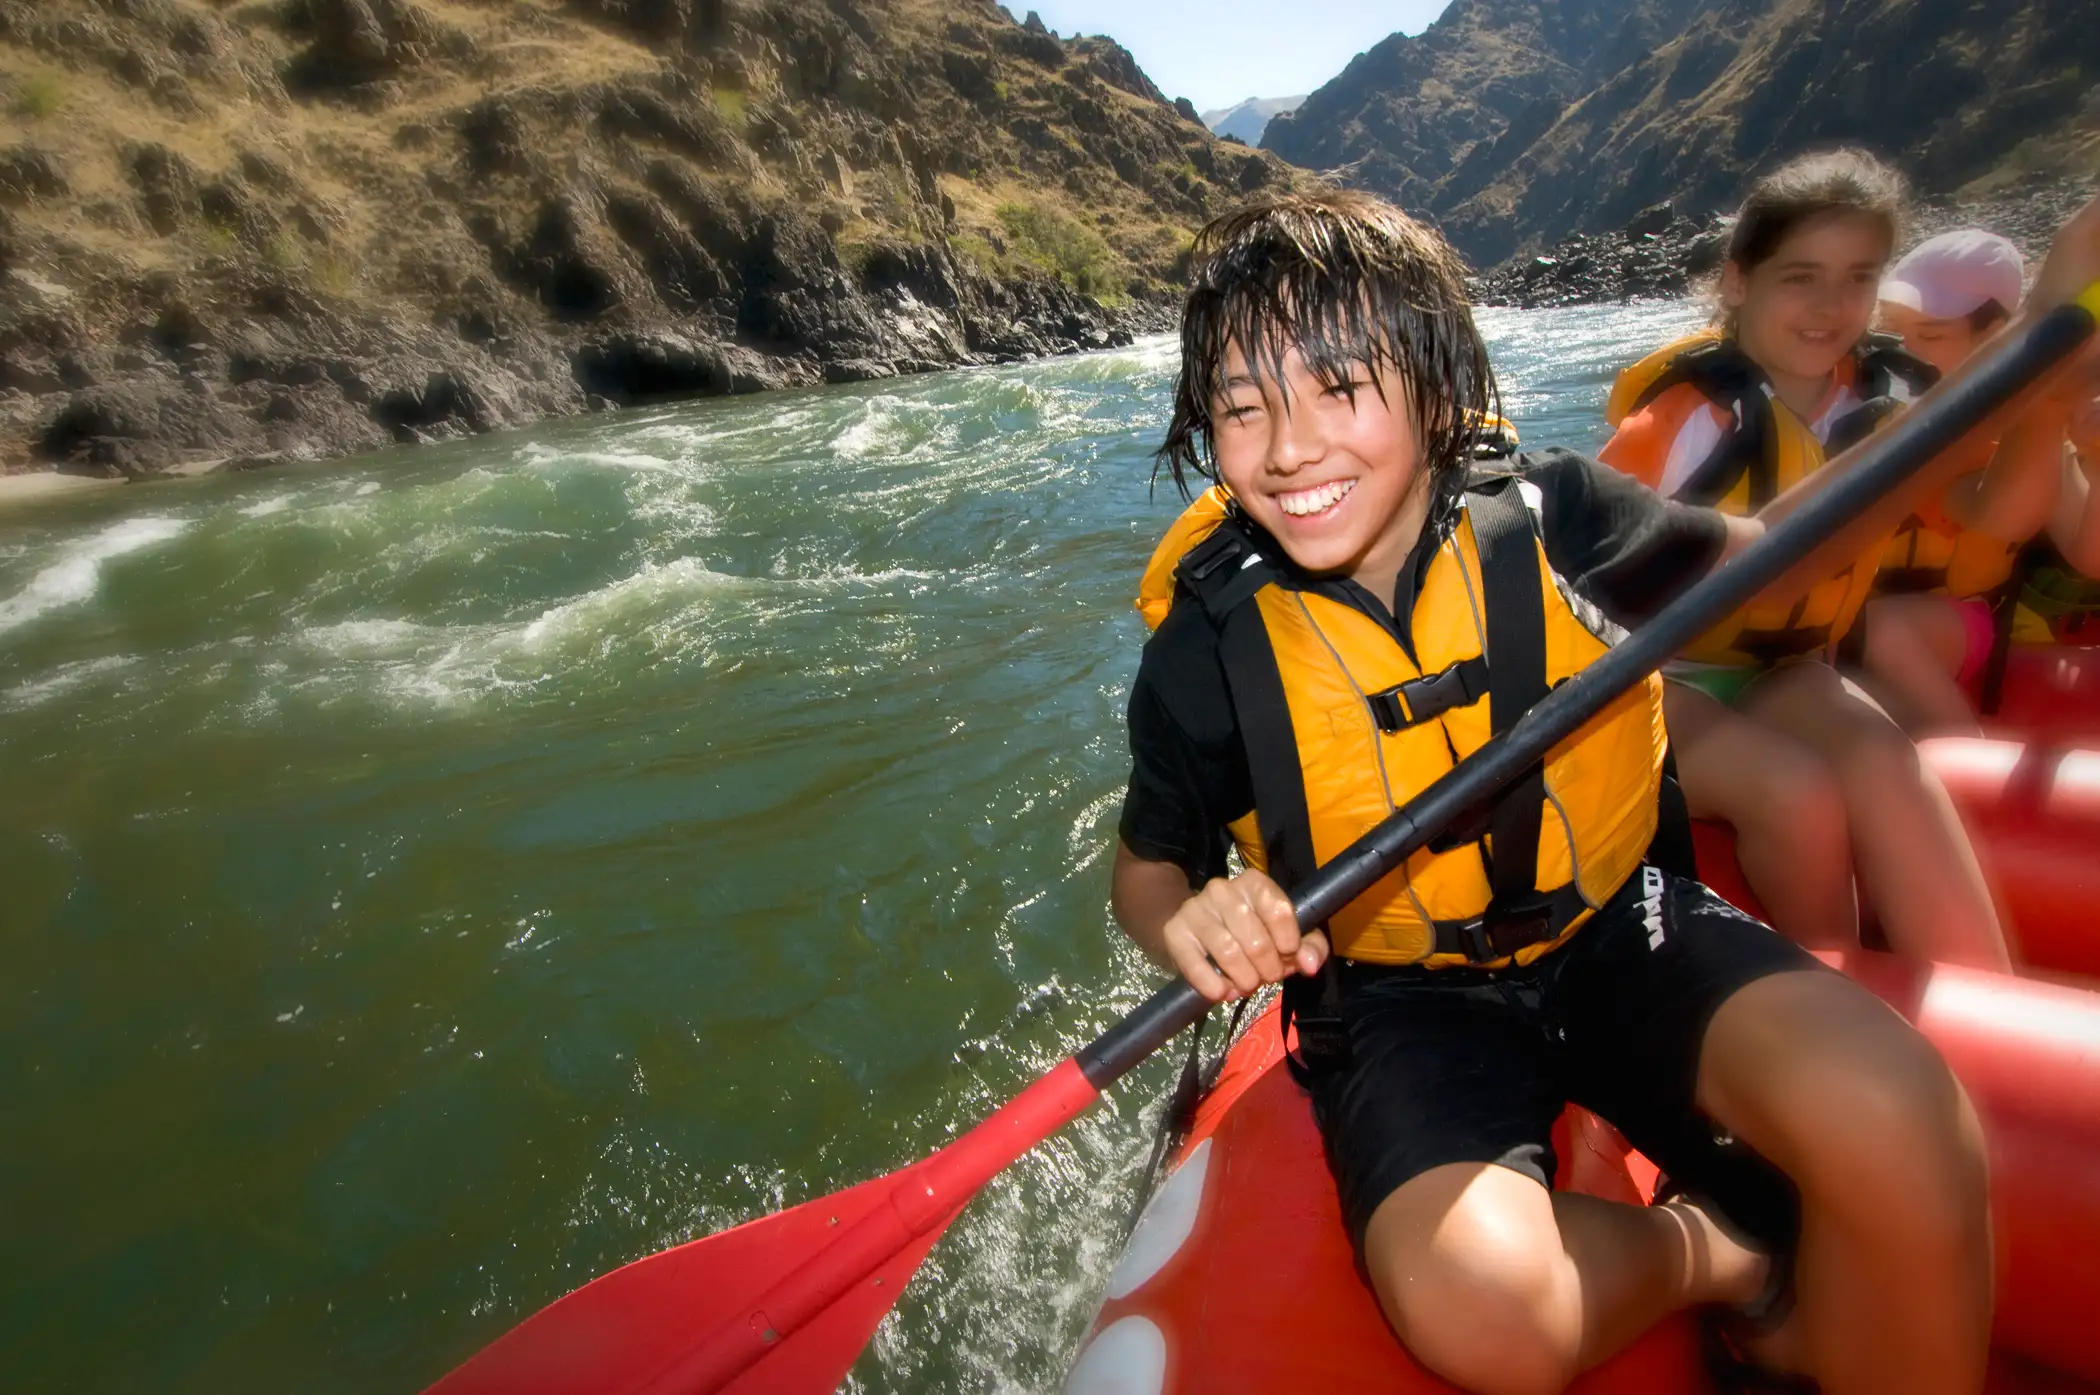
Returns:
<point x="1914" y="857"/>
<point x="1914" y="653"/>
<point x="1787" y="809"/>
<point x="1893" y="1275"/>
<point x="1506" y="1289"/>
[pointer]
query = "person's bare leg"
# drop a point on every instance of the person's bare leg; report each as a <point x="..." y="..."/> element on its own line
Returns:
<point x="1915" y="646"/>
<point x="1893" y="1274"/>
<point x="1913" y="855"/>
<point x="1506" y="1289"/>
<point x="1786" y="807"/>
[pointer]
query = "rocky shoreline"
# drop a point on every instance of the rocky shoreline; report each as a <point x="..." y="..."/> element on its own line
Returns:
<point x="258" y="370"/>
<point x="306" y="228"/>
<point x="1665" y="253"/>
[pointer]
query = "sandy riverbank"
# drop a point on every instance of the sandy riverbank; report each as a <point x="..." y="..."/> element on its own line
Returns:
<point x="33" y="487"/>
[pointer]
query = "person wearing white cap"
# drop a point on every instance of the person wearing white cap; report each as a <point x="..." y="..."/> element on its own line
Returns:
<point x="1949" y="292"/>
<point x="1931" y="626"/>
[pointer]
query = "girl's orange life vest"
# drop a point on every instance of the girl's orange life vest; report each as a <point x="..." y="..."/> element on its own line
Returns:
<point x="1341" y="727"/>
<point x="1767" y="451"/>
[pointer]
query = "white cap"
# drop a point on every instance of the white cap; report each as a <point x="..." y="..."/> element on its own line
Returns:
<point x="1952" y="275"/>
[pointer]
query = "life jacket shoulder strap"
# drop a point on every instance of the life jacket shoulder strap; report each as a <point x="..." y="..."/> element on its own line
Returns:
<point x="1513" y="600"/>
<point x="1885" y="366"/>
<point x="1890" y="377"/>
<point x="1728" y="379"/>
<point x="1224" y="570"/>
<point x="1717" y="367"/>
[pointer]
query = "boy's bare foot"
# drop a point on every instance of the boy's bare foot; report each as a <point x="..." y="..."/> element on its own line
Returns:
<point x="1721" y="1263"/>
<point x="1758" y="1325"/>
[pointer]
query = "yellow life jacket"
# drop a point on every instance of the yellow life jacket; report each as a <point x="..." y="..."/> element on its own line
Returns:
<point x="1766" y="453"/>
<point x="1931" y="552"/>
<point x="1342" y="724"/>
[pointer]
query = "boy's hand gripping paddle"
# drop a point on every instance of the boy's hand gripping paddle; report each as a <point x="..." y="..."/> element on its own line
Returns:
<point x="785" y="1303"/>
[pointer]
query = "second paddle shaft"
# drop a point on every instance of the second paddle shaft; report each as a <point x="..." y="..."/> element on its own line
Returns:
<point x="1885" y="461"/>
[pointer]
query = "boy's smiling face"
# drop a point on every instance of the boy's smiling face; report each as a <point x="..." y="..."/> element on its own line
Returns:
<point x="1335" y="474"/>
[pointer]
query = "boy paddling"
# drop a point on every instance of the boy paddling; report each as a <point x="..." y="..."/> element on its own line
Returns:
<point x="1342" y="637"/>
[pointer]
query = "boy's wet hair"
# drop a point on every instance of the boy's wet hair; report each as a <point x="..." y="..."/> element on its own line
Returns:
<point x="1350" y="282"/>
<point x="1810" y="187"/>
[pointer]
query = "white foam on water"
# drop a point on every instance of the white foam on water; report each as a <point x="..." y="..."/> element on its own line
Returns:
<point x="369" y="636"/>
<point x="595" y="614"/>
<point x="873" y="430"/>
<point x="64" y="679"/>
<point x="658" y="611"/>
<point x="77" y="575"/>
<point x="264" y="508"/>
<point x="539" y="455"/>
<point x="368" y="487"/>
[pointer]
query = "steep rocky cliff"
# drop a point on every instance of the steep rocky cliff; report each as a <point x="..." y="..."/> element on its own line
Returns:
<point x="308" y="226"/>
<point x="1516" y="122"/>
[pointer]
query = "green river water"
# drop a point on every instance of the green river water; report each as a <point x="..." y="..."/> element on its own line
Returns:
<point x="431" y="879"/>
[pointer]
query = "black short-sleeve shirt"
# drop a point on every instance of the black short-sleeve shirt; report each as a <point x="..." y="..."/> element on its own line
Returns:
<point x="1622" y="547"/>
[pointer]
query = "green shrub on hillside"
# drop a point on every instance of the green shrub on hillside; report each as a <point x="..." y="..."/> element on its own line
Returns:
<point x="1053" y="240"/>
<point x="730" y="102"/>
<point x="39" y="95"/>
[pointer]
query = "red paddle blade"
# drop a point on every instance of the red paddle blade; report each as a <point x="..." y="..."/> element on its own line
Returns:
<point x="783" y="1304"/>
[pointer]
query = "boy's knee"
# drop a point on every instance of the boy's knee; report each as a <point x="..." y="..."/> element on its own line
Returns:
<point x="1896" y="1139"/>
<point x="1496" y="1315"/>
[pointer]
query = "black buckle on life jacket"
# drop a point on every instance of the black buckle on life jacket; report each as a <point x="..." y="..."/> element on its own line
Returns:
<point x="1213" y="552"/>
<point x="1420" y="700"/>
<point x="1503" y="931"/>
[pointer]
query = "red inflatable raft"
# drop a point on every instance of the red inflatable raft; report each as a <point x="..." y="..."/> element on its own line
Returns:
<point x="2051" y="691"/>
<point x="1249" y="1213"/>
<point x="1249" y="1216"/>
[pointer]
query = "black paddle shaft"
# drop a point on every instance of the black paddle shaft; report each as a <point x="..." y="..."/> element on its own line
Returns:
<point x="1885" y="461"/>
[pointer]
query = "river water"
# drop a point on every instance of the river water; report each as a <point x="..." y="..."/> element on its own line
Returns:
<point x="431" y="879"/>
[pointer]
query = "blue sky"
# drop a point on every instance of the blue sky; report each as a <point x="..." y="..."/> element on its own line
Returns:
<point x="1216" y="52"/>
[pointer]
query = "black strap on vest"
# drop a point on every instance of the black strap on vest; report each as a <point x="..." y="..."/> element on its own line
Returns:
<point x="1729" y="380"/>
<point x="1516" y="643"/>
<point x="1224" y="572"/>
<point x="1908" y="581"/>
<point x="2005" y="605"/>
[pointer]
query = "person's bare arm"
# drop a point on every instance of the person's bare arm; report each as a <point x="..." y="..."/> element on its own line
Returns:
<point x="1143" y="897"/>
<point x="2015" y="496"/>
<point x="2076" y="528"/>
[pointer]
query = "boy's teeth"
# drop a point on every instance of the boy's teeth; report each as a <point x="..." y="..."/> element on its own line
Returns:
<point x="1311" y="501"/>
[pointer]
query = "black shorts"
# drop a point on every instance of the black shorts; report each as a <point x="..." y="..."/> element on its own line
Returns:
<point x="1468" y="1065"/>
